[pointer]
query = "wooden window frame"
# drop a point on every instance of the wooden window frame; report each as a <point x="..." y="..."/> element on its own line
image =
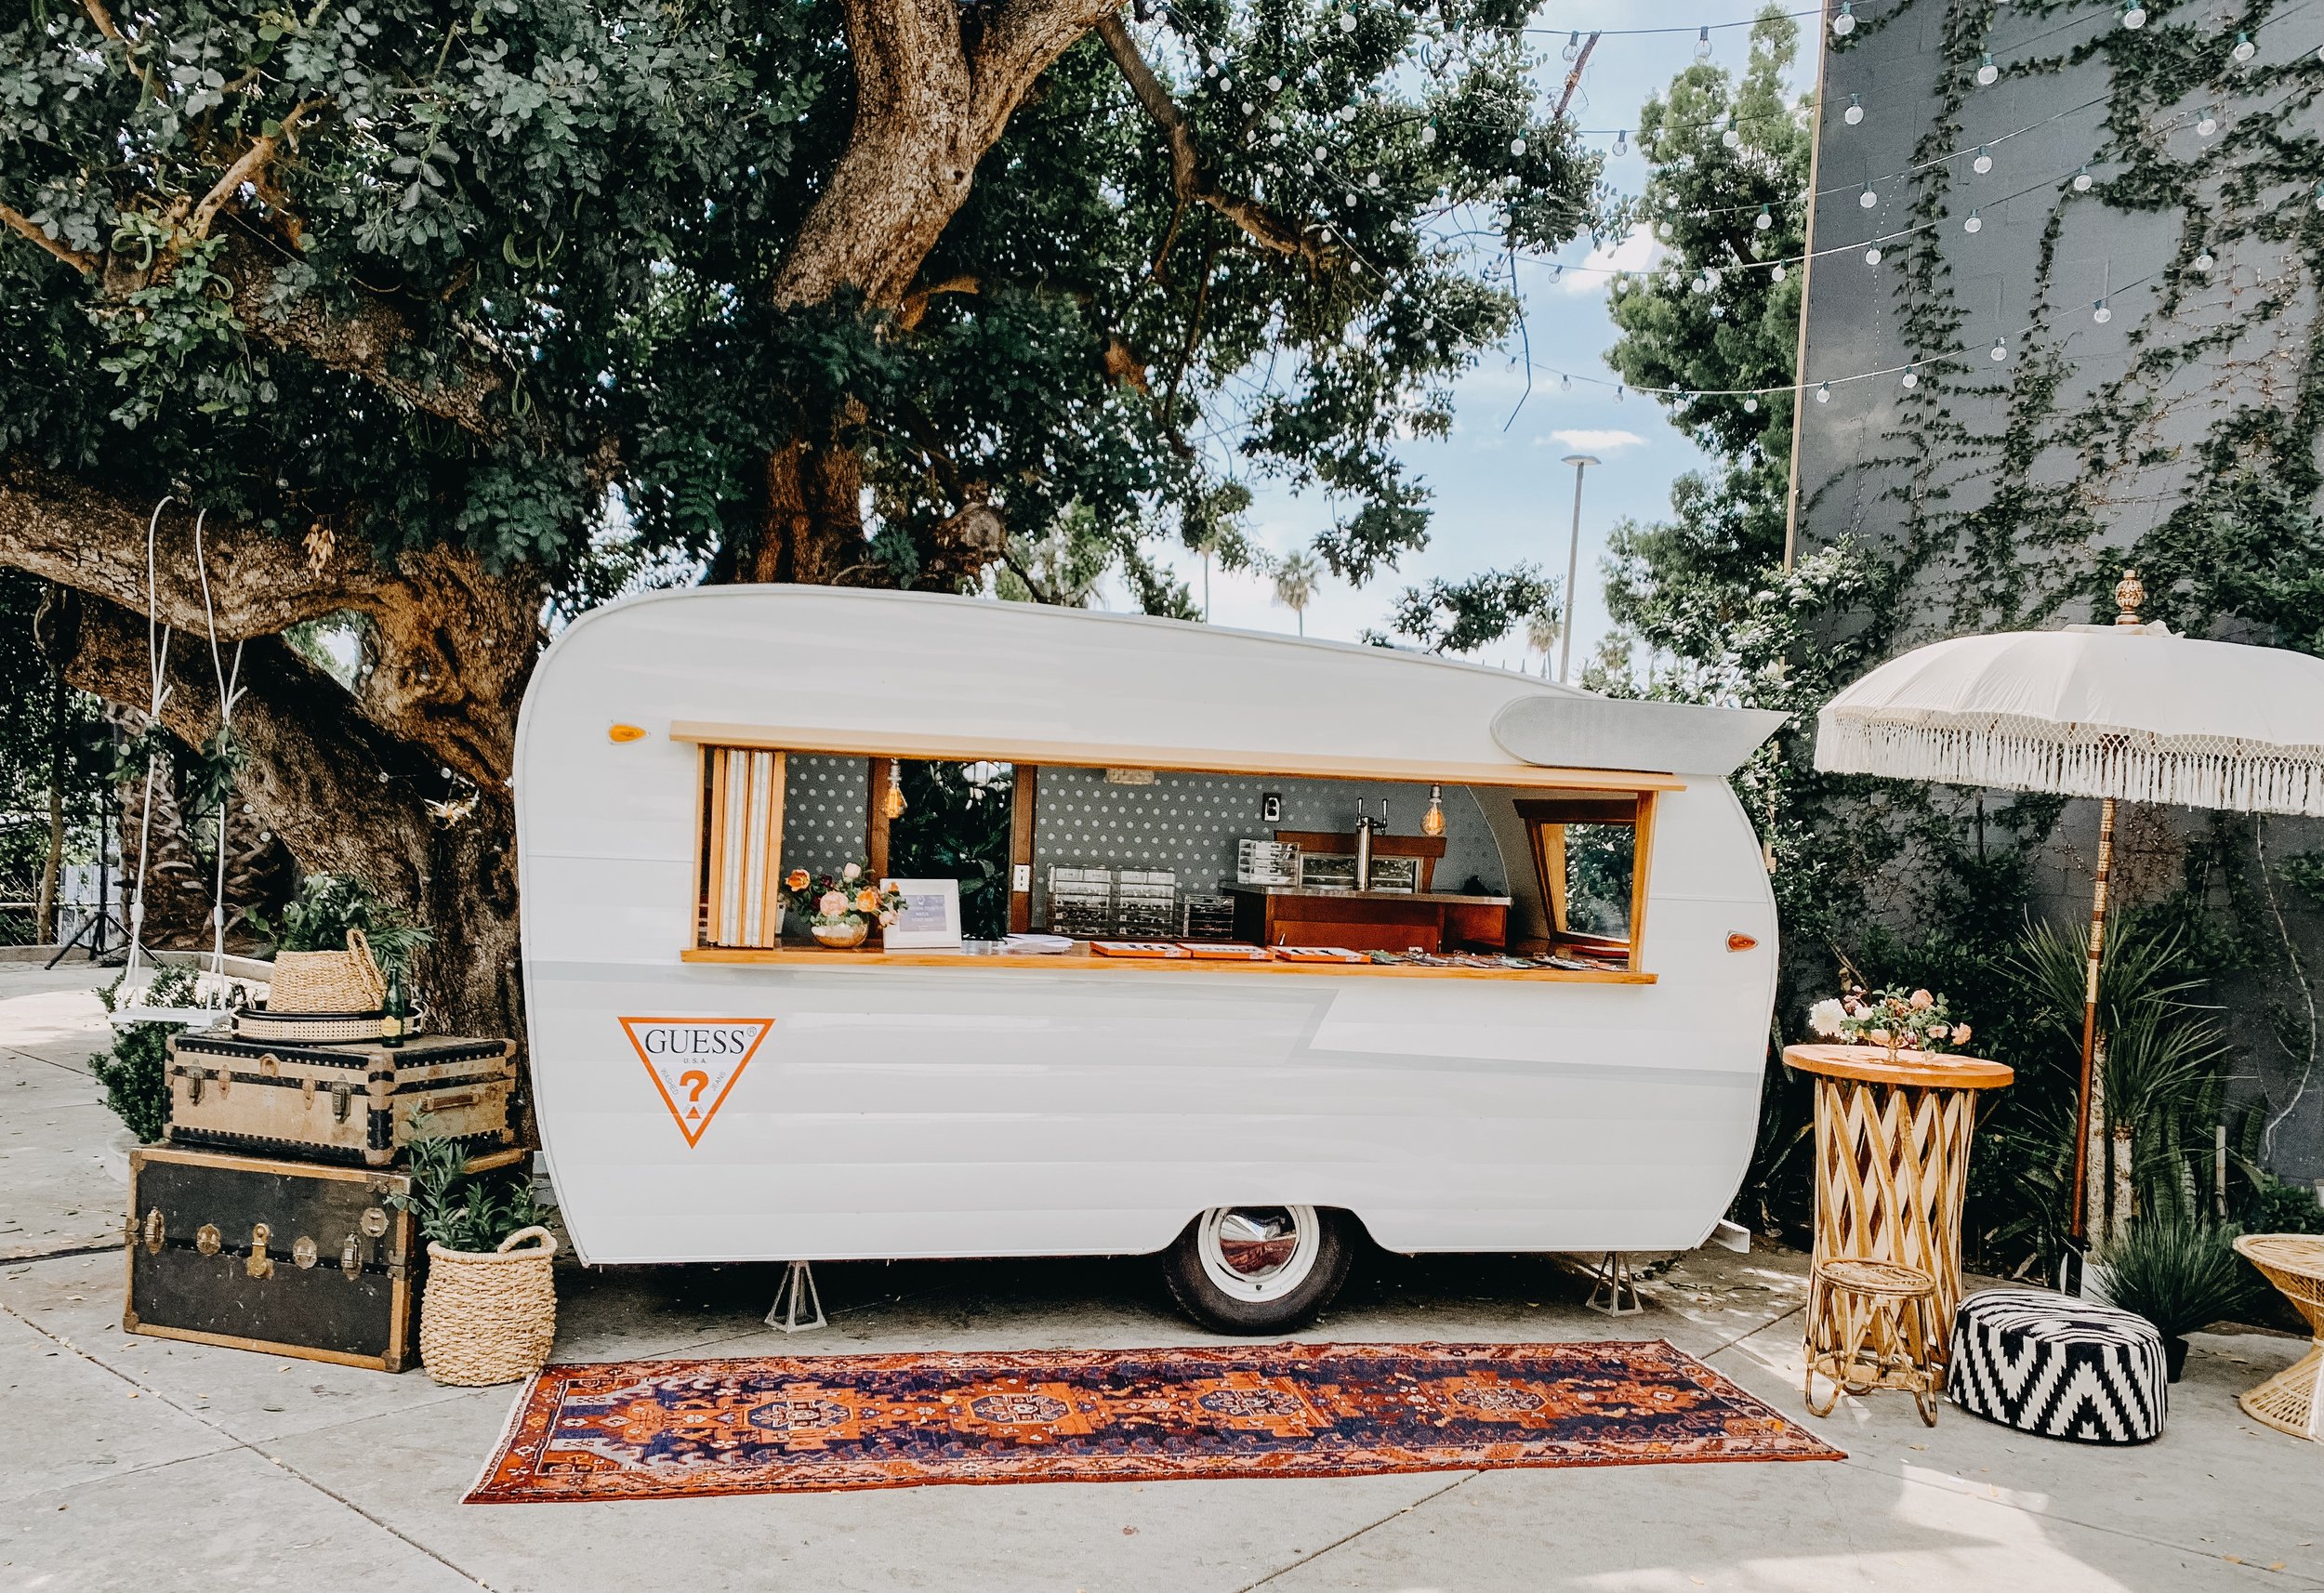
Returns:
<point x="1537" y="814"/>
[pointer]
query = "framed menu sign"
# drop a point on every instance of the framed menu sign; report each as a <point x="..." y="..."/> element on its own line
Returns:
<point x="929" y="919"/>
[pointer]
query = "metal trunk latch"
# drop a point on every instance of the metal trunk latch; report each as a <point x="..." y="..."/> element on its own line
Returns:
<point x="260" y="1264"/>
<point x="351" y="1257"/>
<point x="193" y="1085"/>
<point x="341" y="1094"/>
<point x="207" y="1239"/>
<point x="154" y="1226"/>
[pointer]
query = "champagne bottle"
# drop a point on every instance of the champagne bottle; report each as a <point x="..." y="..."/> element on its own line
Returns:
<point x="396" y="1012"/>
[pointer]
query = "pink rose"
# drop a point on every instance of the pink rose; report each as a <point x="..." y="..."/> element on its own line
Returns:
<point x="1877" y="1036"/>
<point x="1922" y="1000"/>
<point x="1937" y="1030"/>
<point x="1961" y="1033"/>
<point x="831" y="904"/>
<point x="851" y="871"/>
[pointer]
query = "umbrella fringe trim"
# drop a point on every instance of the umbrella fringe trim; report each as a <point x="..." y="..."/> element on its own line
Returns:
<point x="2075" y="760"/>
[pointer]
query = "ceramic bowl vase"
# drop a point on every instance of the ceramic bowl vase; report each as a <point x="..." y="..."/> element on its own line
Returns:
<point x="840" y="936"/>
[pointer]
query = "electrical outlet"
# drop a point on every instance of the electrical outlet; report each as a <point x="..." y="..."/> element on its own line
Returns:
<point x="1020" y="878"/>
<point x="1270" y="808"/>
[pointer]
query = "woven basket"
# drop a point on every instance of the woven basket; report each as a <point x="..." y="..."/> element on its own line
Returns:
<point x="489" y="1317"/>
<point x="328" y="981"/>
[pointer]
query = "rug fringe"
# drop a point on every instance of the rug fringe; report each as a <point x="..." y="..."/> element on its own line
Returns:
<point x="508" y="1435"/>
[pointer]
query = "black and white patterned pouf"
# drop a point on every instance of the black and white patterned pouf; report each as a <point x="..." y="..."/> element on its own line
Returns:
<point x="2058" y="1366"/>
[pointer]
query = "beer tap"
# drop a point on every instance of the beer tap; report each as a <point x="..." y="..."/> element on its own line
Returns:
<point x="1364" y="843"/>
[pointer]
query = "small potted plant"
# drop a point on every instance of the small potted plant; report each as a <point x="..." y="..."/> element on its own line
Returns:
<point x="488" y="1312"/>
<point x="839" y="909"/>
<point x="1895" y="1019"/>
<point x="2179" y="1273"/>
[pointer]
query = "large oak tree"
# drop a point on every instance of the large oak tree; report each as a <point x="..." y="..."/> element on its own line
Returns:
<point x="452" y="318"/>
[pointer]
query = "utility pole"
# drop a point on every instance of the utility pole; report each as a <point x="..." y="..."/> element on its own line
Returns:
<point x="1581" y="462"/>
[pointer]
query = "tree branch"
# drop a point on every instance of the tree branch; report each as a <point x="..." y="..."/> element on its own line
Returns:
<point x="915" y="303"/>
<point x="1188" y="180"/>
<point x="1019" y="44"/>
<point x="17" y="222"/>
<point x="252" y="162"/>
<point x="103" y="19"/>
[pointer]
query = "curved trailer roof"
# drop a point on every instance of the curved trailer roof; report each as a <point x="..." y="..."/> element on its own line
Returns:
<point x="923" y="675"/>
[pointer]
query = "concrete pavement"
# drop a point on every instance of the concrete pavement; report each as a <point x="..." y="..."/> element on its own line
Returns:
<point x="129" y="1462"/>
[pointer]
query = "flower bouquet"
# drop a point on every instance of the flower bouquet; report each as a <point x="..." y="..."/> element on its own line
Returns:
<point x="839" y="909"/>
<point x="1898" y="1019"/>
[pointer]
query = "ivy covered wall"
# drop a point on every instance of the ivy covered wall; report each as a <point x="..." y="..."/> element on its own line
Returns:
<point x="2105" y="348"/>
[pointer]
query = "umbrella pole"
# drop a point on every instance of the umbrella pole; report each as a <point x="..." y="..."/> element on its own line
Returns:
<point x="2089" y="1026"/>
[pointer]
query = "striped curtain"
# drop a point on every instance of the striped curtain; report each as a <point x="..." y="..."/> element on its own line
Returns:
<point x="743" y="846"/>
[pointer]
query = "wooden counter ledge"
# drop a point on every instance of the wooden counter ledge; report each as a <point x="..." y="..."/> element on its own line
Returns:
<point x="1080" y="960"/>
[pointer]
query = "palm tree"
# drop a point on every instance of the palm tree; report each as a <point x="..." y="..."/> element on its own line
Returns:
<point x="1297" y="575"/>
<point x="1541" y="633"/>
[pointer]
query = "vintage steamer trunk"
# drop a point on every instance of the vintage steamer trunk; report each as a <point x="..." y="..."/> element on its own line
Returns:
<point x="351" y="1102"/>
<point x="306" y="1261"/>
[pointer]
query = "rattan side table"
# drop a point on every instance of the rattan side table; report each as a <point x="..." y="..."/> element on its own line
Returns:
<point x="2293" y="1401"/>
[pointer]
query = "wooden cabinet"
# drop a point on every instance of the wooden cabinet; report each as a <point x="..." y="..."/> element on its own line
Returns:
<point x="1369" y="921"/>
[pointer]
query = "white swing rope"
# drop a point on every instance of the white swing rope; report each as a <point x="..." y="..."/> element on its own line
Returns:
<point x="229" y="689"/>
<point x="158" y="664"/>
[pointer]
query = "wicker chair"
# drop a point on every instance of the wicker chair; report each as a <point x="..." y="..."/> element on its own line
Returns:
<point x="2293" y="1401"/>
<point x="1872" y="1324"/>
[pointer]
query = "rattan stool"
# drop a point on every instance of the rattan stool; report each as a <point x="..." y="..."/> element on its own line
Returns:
<point x="2293" y="1401"/>
<point x="1871" y="1324"/>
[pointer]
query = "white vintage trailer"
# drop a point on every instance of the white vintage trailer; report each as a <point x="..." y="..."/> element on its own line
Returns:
<point x="709" y="1090"/>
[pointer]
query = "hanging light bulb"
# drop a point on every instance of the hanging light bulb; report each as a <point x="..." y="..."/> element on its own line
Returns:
<point x="1777" y="272"/>
<point x="1573" y="44"/>
<point x="1984" y="163"/>
<point x="1845" y="22"/>
<point x="1854" y="112"/>
<point x="1617" y="392"/>
<point x="1973" y="223"/>
<point x="1750" y="406"/>
<point x="2203" y="262"/>
<point x="2133" y="15"/>
<point x="2100" y="313"/>
<point x="892" y="804"/>
<point x="1564" y="383"/>
<point x="1428" y="134"/>
<point x="1731" y="137"/>
<point x="2081" y="181"/>
<point x="1765" y="221"/>
<point x="1516" y="146"/>
<point x="1911" y="378"/>
<point x="1432" y="822"/>
<point x="1987" y="71"/>
<point x="1702" y="44"/>
<point x="2245" y="49"/>
<point x="1622" y="142"/>
<point x="1872" y="256"/>
<point x="1347" y="22"/>
<point x="1822" y="394"/>
<point x="1867" y="198"/>
<point x="1999" y="351"/>
<point x="2208" y="123"/>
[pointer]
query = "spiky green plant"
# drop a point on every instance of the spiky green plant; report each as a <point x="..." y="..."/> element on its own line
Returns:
<point x="461" y="1210"/>
<point x="2179" y="1272"/>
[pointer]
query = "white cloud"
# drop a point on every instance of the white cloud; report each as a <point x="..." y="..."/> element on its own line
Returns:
<point x="1598" y="442"/>
<point x="1637" y="252"/>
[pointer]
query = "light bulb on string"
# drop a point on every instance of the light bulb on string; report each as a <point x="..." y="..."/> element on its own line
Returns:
<point x="1428" y="134"/>
<point x="1573" y="44"/>
<point x="2207" y="124"/>
<point x="1987" y="71"/>
<point x="1564" y="383"/>
<point x="1730" y="138"/>
<point x="1432" y="822"/>
<point x="2100" y="313"/>
<point x="2319" y="196"/>
<point x="2203" y="262"/>
<point x="1911" y="378"/>
<point x="1999" y="351"/>
<point x="1984" y="163"/>
<point x="1777" y="275"/>
<point x="1702" y="44"/>
<point x="1622" y="142"/>
<point x="892" y="804"/>
<point x="1822" y="394"/>
<point x="1973" y="222"/>
<point x="1867" y="198"/>
<point x="1347" y="22"/>
<point x="2081" y="181"/>
<point x="1854" y="112"/>
<point x="2245" y="49"/>
<point x="1766" y="220"/>
<point x="1617" y="392"/>
<point x="1872" y="256"/>
<point x="2133" y="15"/>
<point x="1750" y="406"/>
<point x="1845" y="22"/>
<point x="1516" y="146"/>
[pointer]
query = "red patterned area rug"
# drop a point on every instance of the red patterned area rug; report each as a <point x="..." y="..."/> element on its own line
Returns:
<point x="667" y="1430"/>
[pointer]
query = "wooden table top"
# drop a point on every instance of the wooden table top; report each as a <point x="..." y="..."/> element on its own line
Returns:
<point x="1919" y="1069"/>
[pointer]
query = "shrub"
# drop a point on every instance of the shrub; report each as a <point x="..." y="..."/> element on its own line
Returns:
<point x="135" y="1073"/>
<point x="2179" y="1272"/>
<point x="461" y="1210"/>
<point x="327" y="905"/>
<point x="2275" y="1207"/>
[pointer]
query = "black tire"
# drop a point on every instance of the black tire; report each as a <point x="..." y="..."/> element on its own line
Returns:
<point x="1330" y="1236"/>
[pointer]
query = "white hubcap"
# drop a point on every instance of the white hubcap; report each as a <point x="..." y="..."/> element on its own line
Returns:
<point x="1258" y="1252"/>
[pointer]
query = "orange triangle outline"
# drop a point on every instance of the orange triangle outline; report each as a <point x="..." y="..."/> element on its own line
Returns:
<point x="694" y="1136"/>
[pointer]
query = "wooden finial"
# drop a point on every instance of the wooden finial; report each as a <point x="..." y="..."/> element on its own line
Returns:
<point x="2128" y="594"/>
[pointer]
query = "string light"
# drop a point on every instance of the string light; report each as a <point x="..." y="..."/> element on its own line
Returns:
<point x="1911" y="378"/>
<point x="1872" y="256"/>
<point x="2203" y="262"/>
<point x="1973" y="223"/>
<point x="2100" y="313"/>
<point x="1778" y="273"/>
<point x="891" y="805"/>
<point x="1427" y="135"/>
<point x="2081" y="181"/>
<point x="1984" y="163"/>
<point x="1750" y="406"/>
<point x="1987" y="71"/>
<point x="1622" y="142"/>
<point x="1999" y="351"/>
<point x="2245" y="49"/>
<point x="1432" y="822"/>
<point x="1766" y="220"/>
<point x="1702" y="44"/>
<point x="1347" y="22"/>
<point x="1731" y="137"/>
<point x="2208" y="123"/>
<point x="1845" y="22"/>
<point x="2133" y="15"/>
<point x="1573" y="45"/>
<point x="1516" y="146"/>
<point x="1854" y="112"/>
<point x="1822" y="394"/>
<point x="1867" y="198"/>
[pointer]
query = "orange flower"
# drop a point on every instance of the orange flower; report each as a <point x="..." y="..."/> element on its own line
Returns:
<point x="868" y="901"/>
<point x="797" y="879"/>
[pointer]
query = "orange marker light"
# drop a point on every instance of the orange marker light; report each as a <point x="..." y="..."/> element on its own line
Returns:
<point x="1741" y="943"/>
<point x="626" y="732"/>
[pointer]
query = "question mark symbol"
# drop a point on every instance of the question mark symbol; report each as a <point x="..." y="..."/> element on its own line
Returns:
<point x="693" y="1081"/>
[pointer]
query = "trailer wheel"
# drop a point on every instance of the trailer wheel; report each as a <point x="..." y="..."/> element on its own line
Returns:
<point x="1258" y="1269"/>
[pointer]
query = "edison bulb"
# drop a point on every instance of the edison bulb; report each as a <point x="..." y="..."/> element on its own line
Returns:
<point x="1987" y="71"/>
<point x="1822" y="394"/>
<point x="2100" y="313"/>
<point x="2081" y="181"/>
<point x="1845" y="23"/>
<point x="1872" y="256"/>
<point x="2245" y="49"/>
<point x="1984" y="163"/>
<point x="1867" y="198"/>
<point x="1973" y="223"/>
<point x="1999" y="351"/>
<point x="2203" y="262"/>
<point x="1854" y="112"/>
<point x="2135" y="17"/>
<point x="1911" y="378"/>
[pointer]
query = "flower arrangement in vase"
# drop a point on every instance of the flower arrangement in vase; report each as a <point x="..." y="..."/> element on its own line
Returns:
<point x="839" y="909"/>
<point x="1897" y="1019"/>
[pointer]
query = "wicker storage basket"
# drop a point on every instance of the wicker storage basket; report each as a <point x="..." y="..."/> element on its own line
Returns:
<point x="346" y="981"/>
<point x="489" y="1317"/>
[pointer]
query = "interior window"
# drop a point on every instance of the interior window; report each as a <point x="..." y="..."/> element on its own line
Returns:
<point x="1586" y="849"/>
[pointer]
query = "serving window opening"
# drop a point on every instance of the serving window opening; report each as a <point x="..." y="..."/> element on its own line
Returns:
<point x="1589" y="856"/>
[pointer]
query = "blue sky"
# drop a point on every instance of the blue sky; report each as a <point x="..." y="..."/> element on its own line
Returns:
<point x="1501" y="497"/>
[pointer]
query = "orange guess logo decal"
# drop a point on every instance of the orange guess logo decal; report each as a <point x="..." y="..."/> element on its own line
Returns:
<point x="694" y="1061"/>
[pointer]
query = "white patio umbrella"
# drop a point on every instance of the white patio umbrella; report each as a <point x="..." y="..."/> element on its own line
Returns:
<point x="2127" y="712"/>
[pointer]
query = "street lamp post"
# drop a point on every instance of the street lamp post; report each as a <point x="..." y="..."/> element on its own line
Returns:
<point x="1581" y="462"/>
